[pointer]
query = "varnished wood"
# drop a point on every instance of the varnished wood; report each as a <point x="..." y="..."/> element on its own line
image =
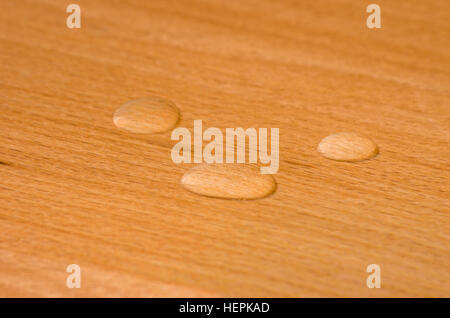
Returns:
<point x="75" y="189"/>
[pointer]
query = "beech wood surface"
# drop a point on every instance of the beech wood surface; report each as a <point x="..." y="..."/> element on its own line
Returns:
<point x="74" y="189"/>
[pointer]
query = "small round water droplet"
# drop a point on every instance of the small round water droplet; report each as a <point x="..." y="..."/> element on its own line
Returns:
<point x="229" y="181"/>
<point x="347" y="146"/>
<point x="147" y="115"/>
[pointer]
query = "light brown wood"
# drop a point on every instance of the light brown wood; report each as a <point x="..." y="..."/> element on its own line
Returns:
<point x="229" y="181"/>
<point x="147" y="115"/>
<point x="75" y="189"/>
<point x="345" y="146"/>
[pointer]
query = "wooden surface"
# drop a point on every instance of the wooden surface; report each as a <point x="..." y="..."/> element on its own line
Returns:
<point x="75" y="189"/>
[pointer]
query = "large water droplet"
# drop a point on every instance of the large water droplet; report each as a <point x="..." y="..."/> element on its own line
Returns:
<point x="347" y="146"/>
<point x="229" y="181"/>
<point x="147" y="115"/>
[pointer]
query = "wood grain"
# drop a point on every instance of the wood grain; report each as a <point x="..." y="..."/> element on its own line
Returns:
<point x="75" y="189"/>
<point x="229" y="181"/>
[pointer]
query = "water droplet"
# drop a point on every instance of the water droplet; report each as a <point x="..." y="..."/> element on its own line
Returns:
<point x="229" y="181"/>
<point x="347" y="146"/>
<point x="147" y="115"/>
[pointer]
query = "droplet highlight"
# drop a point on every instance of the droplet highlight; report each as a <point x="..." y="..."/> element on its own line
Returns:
<point x="347" y="146"/>
<point x="229" y="181"/>
<point x="147" y="115"/>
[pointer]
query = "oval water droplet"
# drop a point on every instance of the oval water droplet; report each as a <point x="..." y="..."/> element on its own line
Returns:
<point x="347" y="146"/>
<point x="147" y="115"/>
<point x="229" y="181"/>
